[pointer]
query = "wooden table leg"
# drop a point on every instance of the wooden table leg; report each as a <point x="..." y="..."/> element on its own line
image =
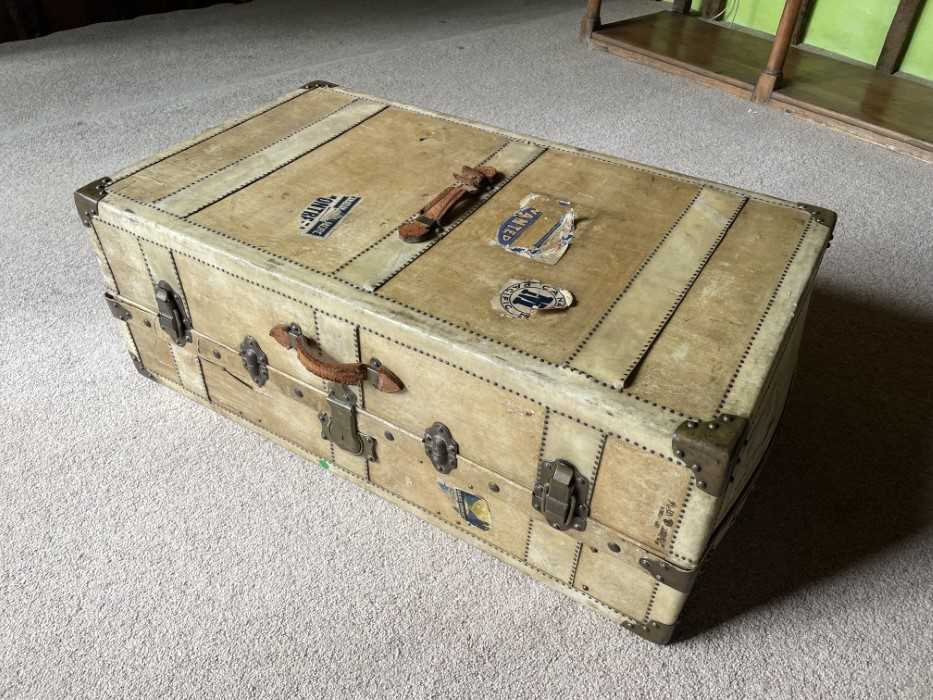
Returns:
<point x="771" y="76"/>
<point x="590" y="21"/>
<point x="895" y="44"/>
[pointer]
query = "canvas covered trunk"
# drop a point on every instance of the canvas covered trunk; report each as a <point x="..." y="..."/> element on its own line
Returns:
<point x="574" y="362"/>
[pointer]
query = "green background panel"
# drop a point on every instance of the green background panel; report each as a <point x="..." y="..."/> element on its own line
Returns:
<point x="853" y="28"/>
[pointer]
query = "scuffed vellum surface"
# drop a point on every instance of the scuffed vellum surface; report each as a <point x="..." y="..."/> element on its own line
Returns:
<point x="150" y="548"/>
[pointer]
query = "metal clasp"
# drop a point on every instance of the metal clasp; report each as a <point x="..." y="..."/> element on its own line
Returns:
<point x="172" y="318"/>
<point x="340" y="426"/>
<point x="560" y="493"/>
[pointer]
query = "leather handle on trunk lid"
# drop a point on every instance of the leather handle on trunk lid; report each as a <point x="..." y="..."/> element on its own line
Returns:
<point x="290" y="337"/>
<point x="469" y="181"/>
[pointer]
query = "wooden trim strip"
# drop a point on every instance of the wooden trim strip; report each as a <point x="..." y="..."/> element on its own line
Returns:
<point x="200" y="138"/>
<point x="224" y="182"/>
<point x="626" y="334"/>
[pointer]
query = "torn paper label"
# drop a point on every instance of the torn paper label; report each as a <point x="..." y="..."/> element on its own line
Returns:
<point x="523" y="298"/>
<point x="320" y="217"/>
<point x="541" y="229"/>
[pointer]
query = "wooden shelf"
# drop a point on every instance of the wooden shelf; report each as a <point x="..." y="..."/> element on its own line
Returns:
<point x="892" y="111"/>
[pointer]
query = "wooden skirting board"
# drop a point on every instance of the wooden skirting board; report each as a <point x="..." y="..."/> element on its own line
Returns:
<point x="882" y="109"/>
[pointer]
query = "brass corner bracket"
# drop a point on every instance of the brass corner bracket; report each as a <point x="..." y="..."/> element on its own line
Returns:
<point x="88" y="197"/>
<point x="315" y="84"/>
<point x="653" y="631"/>
<point x="709" y="448"/>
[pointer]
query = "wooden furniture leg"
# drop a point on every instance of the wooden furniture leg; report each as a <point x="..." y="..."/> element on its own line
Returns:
<point x="712" y="8"/>
<point x="803" y="21"/>
<point x="895" y="44"/>
<point x="771" y="76"/>
<point x="682" y="7"/>
<point x="590" y="22"/>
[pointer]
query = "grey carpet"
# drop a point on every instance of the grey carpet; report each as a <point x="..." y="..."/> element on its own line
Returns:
<point x="148" y="548"/>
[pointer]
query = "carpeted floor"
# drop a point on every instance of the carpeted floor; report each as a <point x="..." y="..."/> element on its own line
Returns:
<point x="148" y="548"/>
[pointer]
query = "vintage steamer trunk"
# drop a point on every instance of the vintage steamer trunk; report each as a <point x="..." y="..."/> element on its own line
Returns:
<point x="572" y="361"/>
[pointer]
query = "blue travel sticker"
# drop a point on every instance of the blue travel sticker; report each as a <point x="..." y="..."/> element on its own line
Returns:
<point x="522" y="298"/>
<point x="541" y="229"/>
<point x="470" y="507"/>
<point x="320" y="217"/>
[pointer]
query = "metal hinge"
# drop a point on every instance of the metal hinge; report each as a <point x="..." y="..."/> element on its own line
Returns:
<point x="560" y="493"/>
<point x="668" y="574"/>
<point x="254" y="360"/>
<point x="116" y="308"/>
<point x="340" y="427"/>
<point x="709" y="448"/>
<point x="88" y="197"/>
<point x="172" y="317"/>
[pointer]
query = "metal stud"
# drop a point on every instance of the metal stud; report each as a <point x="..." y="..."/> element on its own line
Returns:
<point x="680" y="454"/>
<point x="644" y="562"/>
<point x="691" y="424"/>
<point x="701" y="484"/>
<point x="712" y="426"/>
<point x="696" y="468"/>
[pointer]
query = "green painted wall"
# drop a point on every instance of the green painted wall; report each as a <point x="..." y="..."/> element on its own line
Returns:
<point x="853" y="28"/>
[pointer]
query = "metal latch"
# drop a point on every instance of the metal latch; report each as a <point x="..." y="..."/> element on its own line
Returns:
<point x="254" y="360"/>
<point x="172" y="317"/>
<point x="88" y="198"/>
<point x="441" y="448"/>
<point x="339" y="426"/>
<point x="561" y="494"/>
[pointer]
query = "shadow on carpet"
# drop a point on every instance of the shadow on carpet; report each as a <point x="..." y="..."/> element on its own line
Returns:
<point x="844" y="480"/>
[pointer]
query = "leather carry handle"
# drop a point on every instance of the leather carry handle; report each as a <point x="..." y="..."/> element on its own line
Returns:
<point x="469" y="181"/>
<point x="290" y="337"/>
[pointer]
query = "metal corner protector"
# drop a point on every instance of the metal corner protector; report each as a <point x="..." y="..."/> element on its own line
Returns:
<point x="709" y="449"/>
<point x="88" y="197"/>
